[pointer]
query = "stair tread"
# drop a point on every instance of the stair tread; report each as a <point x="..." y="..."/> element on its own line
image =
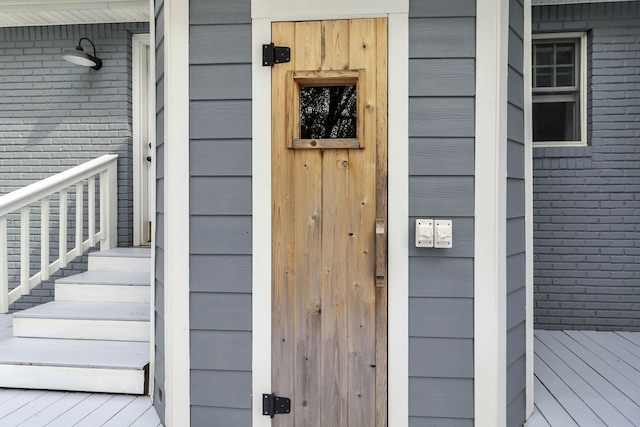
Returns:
<point x="74" y="353"/>
<point x="134" y="252"/>
<point x="115" y="278"/>
<point x="81" y="310"/>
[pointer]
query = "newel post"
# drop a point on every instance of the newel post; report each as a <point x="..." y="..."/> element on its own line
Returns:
<point x="109" y="206"/>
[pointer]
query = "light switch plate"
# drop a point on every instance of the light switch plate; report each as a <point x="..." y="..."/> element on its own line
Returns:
<point x="424" y="233"/>
<point x="443" y="233"/>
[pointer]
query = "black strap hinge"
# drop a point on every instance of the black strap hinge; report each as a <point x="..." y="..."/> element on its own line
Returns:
<point x="272" y="405"/>
<point x="272" y="54"/>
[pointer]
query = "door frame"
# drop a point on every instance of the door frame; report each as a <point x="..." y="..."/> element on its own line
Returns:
<point x="263" y="14"/>
<point x="143" y="92"/>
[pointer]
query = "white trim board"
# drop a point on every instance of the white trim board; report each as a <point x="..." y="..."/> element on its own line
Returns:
<point x="528" y="182"/>
<point x="142" y="120"/>
<point x="490" y="271"/>
<point x="398" y="263"/>
<point x="307" y="10"/>
<point x="176" y="213"/>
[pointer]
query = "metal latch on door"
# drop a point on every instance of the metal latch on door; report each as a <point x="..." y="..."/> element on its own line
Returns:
<point x="272" y="405"/>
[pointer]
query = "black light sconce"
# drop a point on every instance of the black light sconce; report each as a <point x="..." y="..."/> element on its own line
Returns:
<point x="79" y="57"/>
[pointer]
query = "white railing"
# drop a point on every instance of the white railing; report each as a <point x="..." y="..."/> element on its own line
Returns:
<point x="40" y="193"/>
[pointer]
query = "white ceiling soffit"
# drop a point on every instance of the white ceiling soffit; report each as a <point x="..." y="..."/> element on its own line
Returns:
<point x="20" y="13"/>
<point x="552" y="2"/>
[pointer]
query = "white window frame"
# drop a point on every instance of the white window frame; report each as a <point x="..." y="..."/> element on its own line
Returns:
<point x="582" y="87"/>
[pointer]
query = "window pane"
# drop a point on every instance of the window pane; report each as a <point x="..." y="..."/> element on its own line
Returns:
<point x="555" y="121"/>
<point x="565" y="76"/>
<point x="328" y="112"/>
<point x="544" y="77"/>
<point x="565" y="53"/>
<point x="544" y="55"/>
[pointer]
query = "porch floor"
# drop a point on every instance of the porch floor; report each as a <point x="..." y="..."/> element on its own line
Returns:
<point x="586" y="378"/>
<point x="32" y="408"/>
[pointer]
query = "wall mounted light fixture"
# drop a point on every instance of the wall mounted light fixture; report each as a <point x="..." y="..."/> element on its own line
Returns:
<point x="79" y="57"/>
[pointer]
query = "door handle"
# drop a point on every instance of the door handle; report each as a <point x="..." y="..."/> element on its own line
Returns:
<point x="381" y="252"/>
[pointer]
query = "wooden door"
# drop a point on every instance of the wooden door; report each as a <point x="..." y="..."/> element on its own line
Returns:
<point x="329" y="294"/>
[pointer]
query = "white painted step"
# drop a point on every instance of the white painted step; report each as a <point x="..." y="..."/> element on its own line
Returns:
<point x="74" y="365"/>
<point x="84" y="320"/>
<point x="134" y="260"/>
<point x="104" y="286"/>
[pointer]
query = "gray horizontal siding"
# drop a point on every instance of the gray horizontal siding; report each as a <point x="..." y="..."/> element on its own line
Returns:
<point x="220" y="119"/>
<point x="226" y="81"/>
<point x="441" y="116"/>
<point x="216" y="350"/>
<point x="220" y="273"/>
<point x="220" y="12"/>
<point x="232" y="235"/>
<point x="231" y="197"/>
<point x="586" y="204"/>
<point x="442" y="37"/>
<point x="441" y="398"/>
<point x="205" y="157"/>
<point x="442" y="277"/>
<point x="516" y="192"/>
<point x="220" y="44"/>
<point x="203" y="416"/>
<point x="222" y="312"/>
<point x="441" y="156"/>
<point x="221" y="389"/>
<point x="448" y="357"/>
<point x="441" y="196"/>
<point x="220" y="209"/>
<point x="442" y="77"/>
<point x="159" y="365"/>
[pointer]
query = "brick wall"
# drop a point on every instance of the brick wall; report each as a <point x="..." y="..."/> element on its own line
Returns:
<point x="587" y="199"/>
<point x="55" y="115"/>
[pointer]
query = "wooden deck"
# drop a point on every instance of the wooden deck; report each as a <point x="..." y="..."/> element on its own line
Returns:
<point x="586" y="379"/>
<point x="36" y="408"/>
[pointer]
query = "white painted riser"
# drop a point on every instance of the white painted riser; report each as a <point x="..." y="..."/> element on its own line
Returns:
<point x="81" y="329"/>
<point x="111" y="293"/>
<point x="128" y="260"/>
<point x="128" y="381"/>
<point x="105" y="286"/>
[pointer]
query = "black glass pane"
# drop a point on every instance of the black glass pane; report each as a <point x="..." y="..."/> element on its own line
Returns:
<point x="328" y="112"/>
<point x="564" y="76"/>
<point x="554" y="121"/>
<point x="544" y="77"/>
<point x="565" y="53"/>
<point x="543" y="55"/>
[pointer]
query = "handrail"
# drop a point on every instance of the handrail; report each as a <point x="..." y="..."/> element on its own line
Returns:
<point x="20" y="201"/>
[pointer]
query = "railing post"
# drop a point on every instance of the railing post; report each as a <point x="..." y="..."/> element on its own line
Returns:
<point x="109" y="207"/>
<point x="91" y="199"/>
<point x="44" y="238"/>
<point x="64" y="206"/>
<point x="25" y="226"/>
<point x="79" y="217"/>
<point x="4" y="279"/>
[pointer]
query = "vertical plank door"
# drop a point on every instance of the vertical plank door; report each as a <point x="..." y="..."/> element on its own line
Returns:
<point x="329" y="294"/>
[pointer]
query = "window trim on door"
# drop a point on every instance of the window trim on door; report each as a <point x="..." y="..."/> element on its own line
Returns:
<point x="580" y="91"/>
<point x="299" y="79"/>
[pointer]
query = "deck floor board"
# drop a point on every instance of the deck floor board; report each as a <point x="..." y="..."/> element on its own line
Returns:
<point x="39" y="408"/>
<point x="586" y="378"/>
